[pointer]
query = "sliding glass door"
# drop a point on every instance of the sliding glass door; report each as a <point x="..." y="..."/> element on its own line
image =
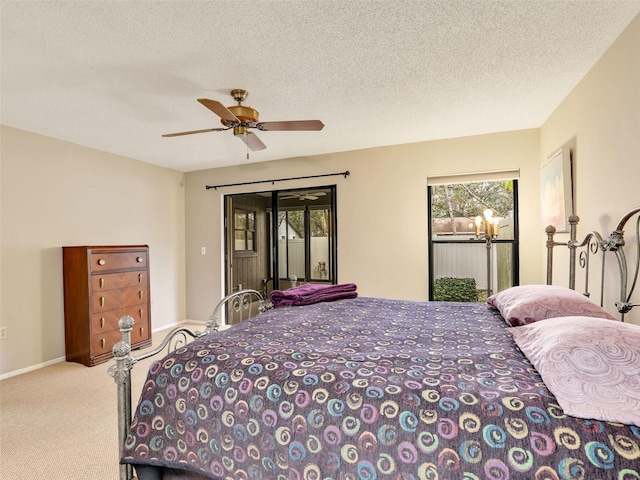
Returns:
<point x="305" y="243"/>
<point x="282" y="238"/>
<point x="305" y="233"/>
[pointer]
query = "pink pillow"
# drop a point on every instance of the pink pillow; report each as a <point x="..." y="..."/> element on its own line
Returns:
<point x="529" y="303"/>
<point x="591" y="365"/>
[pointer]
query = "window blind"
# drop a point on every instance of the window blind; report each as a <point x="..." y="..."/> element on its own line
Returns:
<point x="473" y="177"/>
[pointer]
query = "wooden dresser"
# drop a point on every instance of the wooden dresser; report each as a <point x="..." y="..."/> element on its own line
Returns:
<point x="101" y="284"/>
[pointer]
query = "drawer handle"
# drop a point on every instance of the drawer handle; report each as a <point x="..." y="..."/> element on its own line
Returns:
<point x="139" y="259"/>
<point x="139" y="278"/>
<point x="102" y="283"/>
<point x="140" y="294"/>
<point x="103" y="342"/>
<point x="102" y="261"/>
<point x="102" y="322"/>
<point x="102" y="301"/>
<point x="141" y="331"/>
<point x="141" y="311"/>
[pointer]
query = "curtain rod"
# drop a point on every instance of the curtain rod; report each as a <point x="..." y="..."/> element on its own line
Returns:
<point x="345" y="174"/>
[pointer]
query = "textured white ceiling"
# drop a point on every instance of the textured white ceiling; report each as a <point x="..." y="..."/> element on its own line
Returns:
<point x="115" y="75"/>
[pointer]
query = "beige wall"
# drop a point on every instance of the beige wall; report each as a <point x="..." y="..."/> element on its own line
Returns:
<point x="56" y="193"/>
<point x="600" y="118"/>
<point x="382" y="210"/>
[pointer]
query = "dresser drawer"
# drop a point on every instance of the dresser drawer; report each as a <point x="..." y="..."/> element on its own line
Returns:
<point x="112" y="299"/>
<point x="104" y="342"/>
<point x="103" y="262"/>
<point x="113" y="281"/>
<point x="140" y="333"/>
<point x="105" y="321"/>
<point x="139" y="313"/>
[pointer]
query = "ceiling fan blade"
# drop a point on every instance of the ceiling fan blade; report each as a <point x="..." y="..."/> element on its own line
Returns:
<point x="291" y="125"/>
<point x="219" y="109"/>
<point x="252" y="141"/>
<point x="194" y="131"/>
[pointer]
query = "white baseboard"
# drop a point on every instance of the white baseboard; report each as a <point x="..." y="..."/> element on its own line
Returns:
<point x="199" y="322"/>
<point x="63" y="359"/>
<point x="31" y="368"/>
<point x="176" y="324"/>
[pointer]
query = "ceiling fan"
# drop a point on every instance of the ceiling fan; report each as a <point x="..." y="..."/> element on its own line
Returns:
<point x="312" y="195"/>
<point x="241" y="118"/>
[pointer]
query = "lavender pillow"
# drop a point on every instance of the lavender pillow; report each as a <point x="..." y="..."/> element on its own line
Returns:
<point x="591" y="365"/>
<point x="529" y="303"/>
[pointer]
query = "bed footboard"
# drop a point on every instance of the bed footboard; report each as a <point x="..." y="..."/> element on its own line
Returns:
<point x="244" y="304"/>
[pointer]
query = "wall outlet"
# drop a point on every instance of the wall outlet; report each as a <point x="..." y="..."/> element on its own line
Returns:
<point x="3" y="332"/>
<point x="203" y="250"/>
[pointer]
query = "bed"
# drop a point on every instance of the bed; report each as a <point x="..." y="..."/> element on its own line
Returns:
<point x="371" y="388"/>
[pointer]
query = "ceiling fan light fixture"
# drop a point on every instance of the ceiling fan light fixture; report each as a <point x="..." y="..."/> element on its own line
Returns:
<point x="244" y="114"/>
<point x="239" y="130"/>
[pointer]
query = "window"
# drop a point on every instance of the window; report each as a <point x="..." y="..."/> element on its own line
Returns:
<point x="473" y="237"/>
<point x="244" y="228"/>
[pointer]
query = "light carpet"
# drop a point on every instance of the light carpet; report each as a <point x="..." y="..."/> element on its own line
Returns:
<point x="60" y="422"/>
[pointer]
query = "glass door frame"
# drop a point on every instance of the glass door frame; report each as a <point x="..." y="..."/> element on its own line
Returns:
<point x="333" y="238"/>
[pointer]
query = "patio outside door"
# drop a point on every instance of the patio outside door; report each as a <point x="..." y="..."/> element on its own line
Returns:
<point x="278" y="239"/>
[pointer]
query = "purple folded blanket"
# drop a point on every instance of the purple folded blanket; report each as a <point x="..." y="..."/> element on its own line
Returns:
<point x="312" y="293"/>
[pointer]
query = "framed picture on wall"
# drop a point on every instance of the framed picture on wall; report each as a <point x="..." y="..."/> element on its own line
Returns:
<point x="556" y="188"/>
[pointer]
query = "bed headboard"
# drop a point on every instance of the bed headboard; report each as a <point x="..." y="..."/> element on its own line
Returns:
<point x="594" y="246"/>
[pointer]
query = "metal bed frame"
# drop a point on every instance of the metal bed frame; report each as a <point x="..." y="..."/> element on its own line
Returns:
<point x="244" y="304"/>
<point x="248" y="303"/>
<point x="595" y="244"/>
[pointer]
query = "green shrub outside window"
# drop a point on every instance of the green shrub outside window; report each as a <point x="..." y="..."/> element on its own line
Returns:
<point x="450" y="289"/>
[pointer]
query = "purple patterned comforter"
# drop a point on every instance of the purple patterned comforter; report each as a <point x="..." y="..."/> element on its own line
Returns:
<point x="367" y="389"/>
